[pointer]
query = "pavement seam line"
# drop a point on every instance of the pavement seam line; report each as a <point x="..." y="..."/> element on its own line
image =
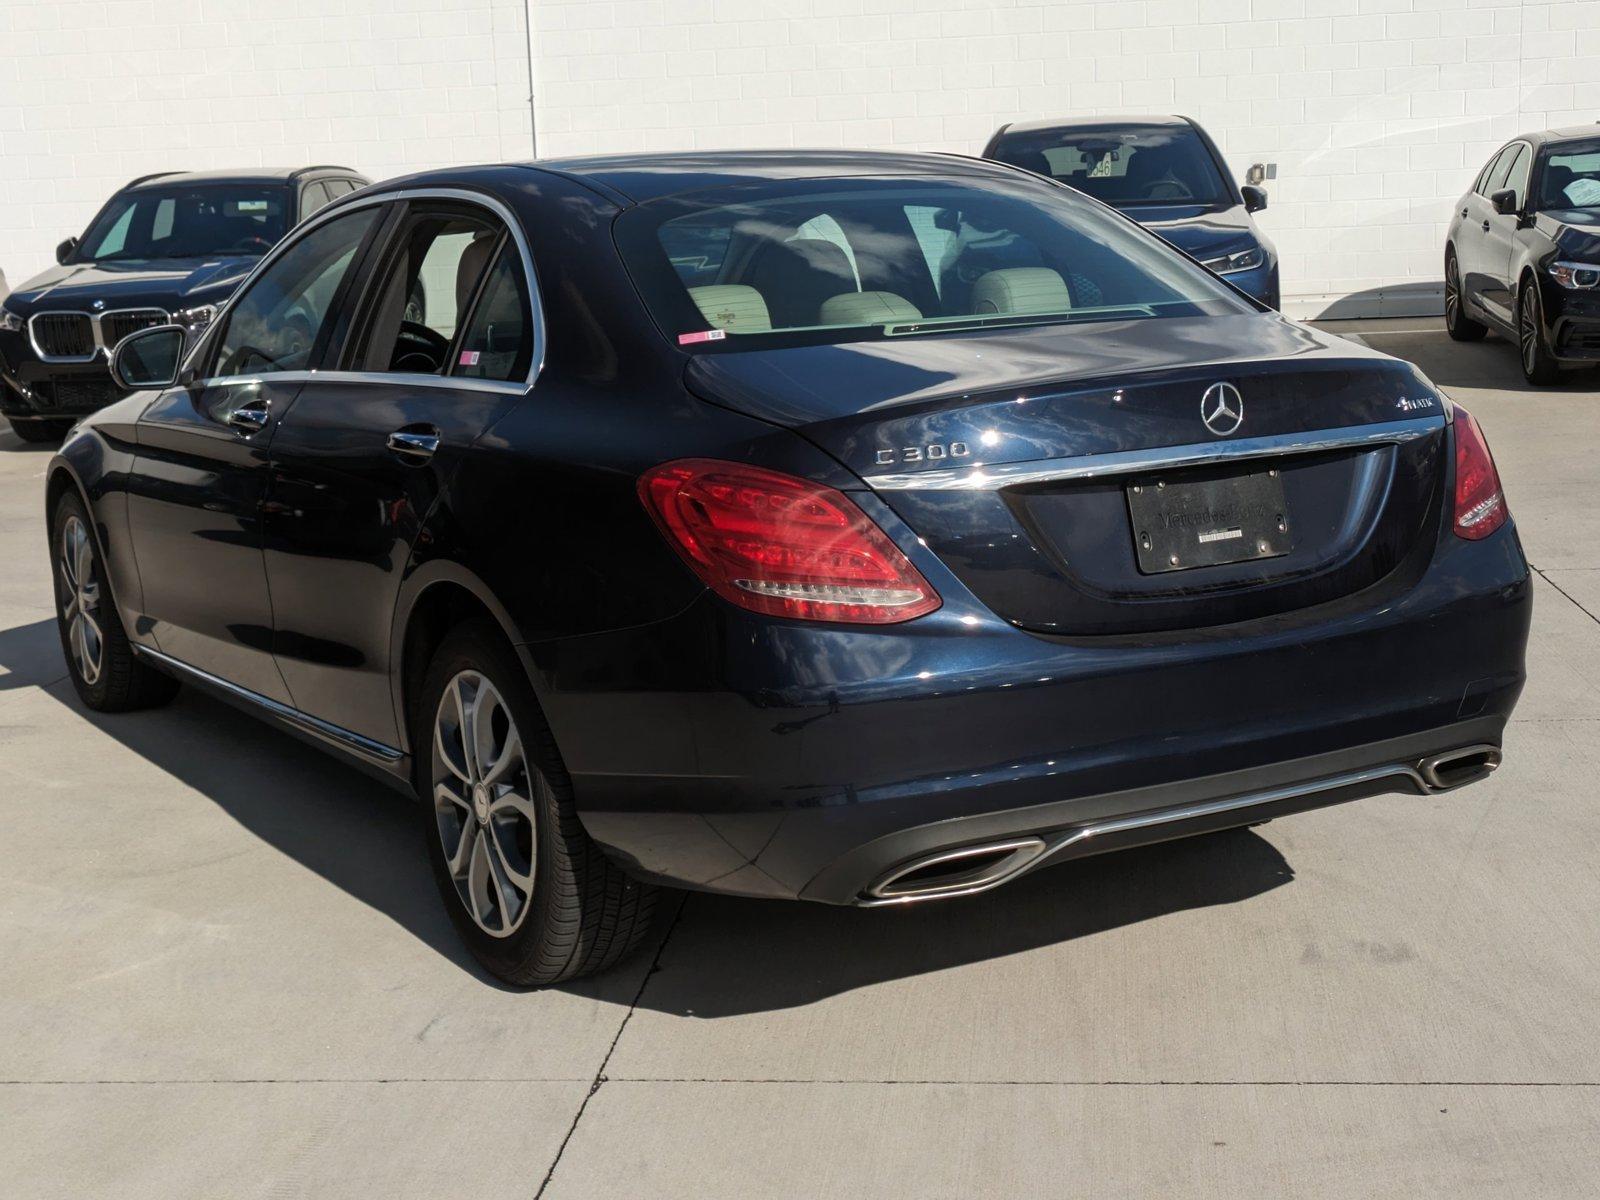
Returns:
<point x="600" y="1073"/>
<point x="1575" y="603"/>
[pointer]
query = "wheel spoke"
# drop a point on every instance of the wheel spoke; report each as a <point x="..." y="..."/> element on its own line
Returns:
<point x="445" y="790"/>
<point x="512" y="884"/>
<point x="513" y="802"/>
<point x="466" y="723"/>
<point x="481" y="889"/>
<point x="510" y="759"/>
<point x="451" y="756"/>
<point x="461" y="856"/>
<point x="85" y="563"/>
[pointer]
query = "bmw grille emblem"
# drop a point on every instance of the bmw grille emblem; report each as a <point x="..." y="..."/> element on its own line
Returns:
<point x="98" y="305"/>
<point x="1222" y="409"/>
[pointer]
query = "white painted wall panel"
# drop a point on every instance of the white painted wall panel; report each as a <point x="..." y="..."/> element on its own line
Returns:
<point x="1378" y="113"/>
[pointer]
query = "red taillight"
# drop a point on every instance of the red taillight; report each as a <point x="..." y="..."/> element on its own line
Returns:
<point x="1480" y="504"/>
<point x="782" y="546"/>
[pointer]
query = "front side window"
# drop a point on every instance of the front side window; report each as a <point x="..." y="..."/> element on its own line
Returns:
<point x="187" y="222"/>
<point x="277" y="323"/>
<point x="839" y="260"/>
<point x="1517" y="175"/>
<point x="427" y="281"/>
<point x="1123" y="166"/>
<point x="1495" y="179"/>
<point x="1571" y="177"/>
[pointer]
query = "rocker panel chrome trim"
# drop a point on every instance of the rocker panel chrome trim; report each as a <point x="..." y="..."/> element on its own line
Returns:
<point x="338" y="735"/>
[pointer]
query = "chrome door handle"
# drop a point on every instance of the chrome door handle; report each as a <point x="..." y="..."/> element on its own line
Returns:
<point x="414" y="445"/>
<point x="252" y="417"/>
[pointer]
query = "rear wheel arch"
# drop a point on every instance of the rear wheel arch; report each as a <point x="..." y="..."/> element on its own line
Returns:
<point x="438" y="598"/>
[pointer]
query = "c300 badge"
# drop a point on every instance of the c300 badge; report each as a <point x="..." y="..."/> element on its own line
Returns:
<point x="935" y="452"/>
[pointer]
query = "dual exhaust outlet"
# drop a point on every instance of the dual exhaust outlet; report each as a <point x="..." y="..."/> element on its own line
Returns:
<point x="978" y="868"/>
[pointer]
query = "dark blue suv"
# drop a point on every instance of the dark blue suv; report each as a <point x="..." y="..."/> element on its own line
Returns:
<point x="1164" y="172"/>
<point x="172" y="246"/>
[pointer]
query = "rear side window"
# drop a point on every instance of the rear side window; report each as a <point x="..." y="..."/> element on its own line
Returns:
<point x="277" y="323"/>
<point x="838" y="260"/>
<point x="498" y="341"/>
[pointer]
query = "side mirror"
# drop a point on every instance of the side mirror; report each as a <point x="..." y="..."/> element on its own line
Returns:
<point x="1255" y="198"/>
<point x="1504" y="201"/>
<point x="65" y="249"/>
<point x="149" y="358"/>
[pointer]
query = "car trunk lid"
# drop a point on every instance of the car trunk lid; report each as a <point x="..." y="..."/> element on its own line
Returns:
<point x="1015" y="455"/>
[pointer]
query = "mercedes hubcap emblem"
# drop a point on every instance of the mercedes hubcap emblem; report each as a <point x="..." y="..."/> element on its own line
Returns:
<point x="480" y="803"/>
<point x="1222" y="409"/>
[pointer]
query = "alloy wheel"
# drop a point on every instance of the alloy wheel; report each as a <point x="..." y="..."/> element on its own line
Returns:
<point x="80" y="605"/>
<point x="1452" y="292"/>
<point x="483" y="803"/>
<point x="1528" y="332"/>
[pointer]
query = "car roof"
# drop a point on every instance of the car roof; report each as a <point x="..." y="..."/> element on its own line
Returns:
<point x="1569" y="133"/>
<point x="1161" y="121"/>
<point x="643" y="177"/>
<point x="257" y="175"/>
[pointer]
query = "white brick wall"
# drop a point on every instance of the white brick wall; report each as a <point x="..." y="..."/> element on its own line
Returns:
<point x="1378" y="112"/>
<point x="95" y="93"/>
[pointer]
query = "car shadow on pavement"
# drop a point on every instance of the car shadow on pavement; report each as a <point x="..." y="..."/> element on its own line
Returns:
<point x="730" y="957"/>
<point x="1489" y="365"/>
<point x="353" y="831"/>
<point x="725" y="955"/>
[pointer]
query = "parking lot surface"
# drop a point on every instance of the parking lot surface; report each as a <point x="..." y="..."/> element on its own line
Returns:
<point x="224" y="970"/>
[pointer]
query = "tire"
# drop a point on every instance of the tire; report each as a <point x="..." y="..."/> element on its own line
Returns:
<point x="533" y="898"/>
<point x="38" y="432"/>
<point x="1539" y="366"/>
<point x="1460" y="326"/>
<point x="100" y="659"/>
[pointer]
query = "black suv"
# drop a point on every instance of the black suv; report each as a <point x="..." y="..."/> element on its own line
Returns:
<point x="167" y="247"/>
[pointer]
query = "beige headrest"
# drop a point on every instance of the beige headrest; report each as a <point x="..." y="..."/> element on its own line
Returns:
<point x="473" y="260"/>
<point x="732" y="306"/>
<point x="867" y="308"/>
<point x="1021" y="290"/>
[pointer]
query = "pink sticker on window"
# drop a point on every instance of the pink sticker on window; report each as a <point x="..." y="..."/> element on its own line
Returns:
<point x="469" y="358"/>
<point x="703" y="335"/>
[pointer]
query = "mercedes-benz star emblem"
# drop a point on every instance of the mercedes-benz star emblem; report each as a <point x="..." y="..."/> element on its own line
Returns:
<point x="1222" y="409"/>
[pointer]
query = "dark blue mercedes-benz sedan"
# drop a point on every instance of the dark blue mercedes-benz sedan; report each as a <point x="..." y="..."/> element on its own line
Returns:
<point x="1164" y="172"/>
<point x="861" y="528"/>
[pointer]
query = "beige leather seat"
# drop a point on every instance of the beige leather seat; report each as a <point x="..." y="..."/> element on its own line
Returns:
<point x="1021" y="290"/>
<point x="867" y="308"/>
<point x="736" y="307"/>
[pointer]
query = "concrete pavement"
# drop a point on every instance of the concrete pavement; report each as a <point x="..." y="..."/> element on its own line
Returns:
<point x="224" y="972"/>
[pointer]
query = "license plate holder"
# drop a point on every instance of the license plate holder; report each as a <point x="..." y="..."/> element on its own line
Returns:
<point x="1180" y="523"/>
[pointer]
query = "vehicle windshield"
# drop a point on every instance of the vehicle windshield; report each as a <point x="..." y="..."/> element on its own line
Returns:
<point x="1122" y="165"/>
<point x="187" y="222"/>
<point x="1571" y="177"/>
<point x="839" y="260"/>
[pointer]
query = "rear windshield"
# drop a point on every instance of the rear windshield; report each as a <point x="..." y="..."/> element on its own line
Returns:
<point x="1123" y="166"/>
<point x="1571" y="177"/>
<point x="187" y="222"/>
<point x="841" y="260"/>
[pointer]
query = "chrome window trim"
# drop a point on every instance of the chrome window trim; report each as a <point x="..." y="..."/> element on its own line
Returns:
<point x="979" y="477"/>
<point x="364" y="746"/>
<point x="98" y="334"/>
<point x="366" y="199"/>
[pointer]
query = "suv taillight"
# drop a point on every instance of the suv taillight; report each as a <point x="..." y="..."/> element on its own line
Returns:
<point x="783" y="546"/>
<point x="1480" y="504"/>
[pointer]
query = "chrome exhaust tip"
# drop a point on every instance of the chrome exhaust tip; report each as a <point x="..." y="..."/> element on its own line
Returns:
<point x="956" y="872"/>
<point x="1457" y="768"/>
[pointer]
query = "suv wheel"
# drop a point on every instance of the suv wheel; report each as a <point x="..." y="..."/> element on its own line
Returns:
<point x="37" y="431"/>
<point x="100" y="658"/>
<point x="1539" y="366"/>
<point x="533" y="898"/>
<point x="1456" y="322"/>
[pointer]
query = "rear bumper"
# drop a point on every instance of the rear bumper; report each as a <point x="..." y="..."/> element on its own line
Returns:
<point x="765" y="758"/>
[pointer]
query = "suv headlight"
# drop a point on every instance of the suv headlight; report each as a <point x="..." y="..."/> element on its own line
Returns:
<point x="197" y="318"/>
<point x="1229" y="264"/>
<point x="10" y="322"/>
<point x="1575" y="275"/>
